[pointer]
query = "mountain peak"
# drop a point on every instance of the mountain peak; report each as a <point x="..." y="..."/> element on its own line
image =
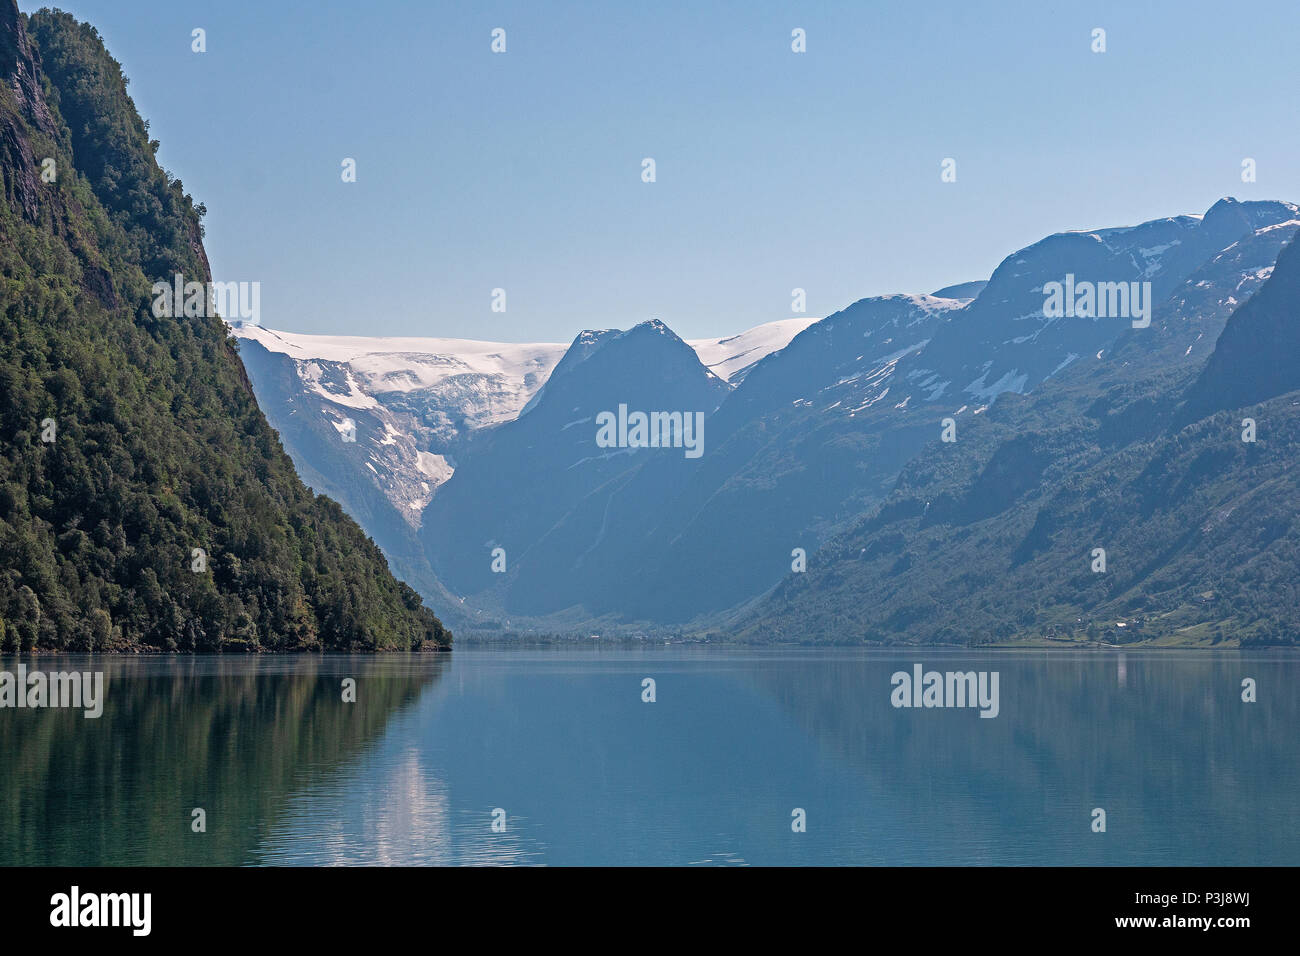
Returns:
<point x="1226" y="209"/>
<point x="961" y="290"/>
<point x="1254" y="359"/>
<point x="652" y="327"/>
<point x="1232" y="218"/>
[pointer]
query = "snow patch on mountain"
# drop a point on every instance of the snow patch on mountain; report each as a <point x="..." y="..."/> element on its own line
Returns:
<point x="492" y="381"/>
<point x="422" y="397"/>
<point x="1009" y="382"/>
<point x="435" y="466"/>
<point x="731" y="357"/>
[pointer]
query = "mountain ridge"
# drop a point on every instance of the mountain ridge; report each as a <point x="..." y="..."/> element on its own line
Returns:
<point x="995" y="538"/>
<point x="815" y="434"/>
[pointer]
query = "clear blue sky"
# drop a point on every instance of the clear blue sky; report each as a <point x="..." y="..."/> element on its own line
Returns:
<point x="775" y="170"/>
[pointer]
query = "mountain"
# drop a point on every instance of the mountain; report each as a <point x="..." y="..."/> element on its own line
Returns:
<point x="812" y="429"/>
<point x="1258" y="354"/>
<point x="1141" y="455"/>
<point x="415" y="406"/>
<point x="418" y="400"/>
<point x="411" y="405"/>
<point x="520" y="482"/>
<point x="1005" y="341"/>
<point x="733" y="357"/>
<point x="962" y="290"/>
<point x="785" y="456"/>
<point x="817" y="433"/>
<point x="145" y="503"/>
<point x="414" y="400"/>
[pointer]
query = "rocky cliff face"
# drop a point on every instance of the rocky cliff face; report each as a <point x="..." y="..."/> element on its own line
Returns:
<point x="1258" y="355"/>
<point x="20" y="66"/>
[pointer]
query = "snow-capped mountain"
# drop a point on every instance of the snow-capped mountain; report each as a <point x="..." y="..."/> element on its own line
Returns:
<point x="1007" y="340"/>
<point x="808" y="425"/>
<point x="414" y="401"/>
<point x="785" y="454"/>
<point x="450" y="386"/>
<point x="731" y="358"/>
<point x="522" y="483"/>
<point x="1143" y="452"/>
<point x="816" y="433"/>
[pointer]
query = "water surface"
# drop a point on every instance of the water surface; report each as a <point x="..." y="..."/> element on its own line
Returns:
<point x="588" y="773"/>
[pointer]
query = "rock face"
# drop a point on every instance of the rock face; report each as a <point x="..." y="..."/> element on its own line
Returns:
<point x="20" y="70"/>
<point x="20" y="66"/>
<point x="1258" y="355"/>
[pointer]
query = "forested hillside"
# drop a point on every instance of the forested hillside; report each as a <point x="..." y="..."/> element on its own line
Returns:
<point x="145" y="503"/>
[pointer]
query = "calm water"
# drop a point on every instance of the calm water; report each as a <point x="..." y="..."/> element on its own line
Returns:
<point x="707" y="774"/>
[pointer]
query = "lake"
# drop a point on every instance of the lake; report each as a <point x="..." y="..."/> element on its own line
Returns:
<point x="551" y="756"/>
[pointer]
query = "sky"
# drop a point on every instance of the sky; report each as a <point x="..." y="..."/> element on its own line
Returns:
<point x="774" y="170"/>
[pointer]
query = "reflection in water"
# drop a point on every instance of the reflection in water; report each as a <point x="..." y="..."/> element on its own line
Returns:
<point x="708" y="774"/>
<point x="1187" y="772"/>
<point x="232" y="736"/>
<point x="397" y="813"/>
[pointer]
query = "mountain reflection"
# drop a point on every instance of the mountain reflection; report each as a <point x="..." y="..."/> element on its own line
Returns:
<point x="232" y="736"/>
<point x="1186" y="771"/>
<point x="710" y="772"/>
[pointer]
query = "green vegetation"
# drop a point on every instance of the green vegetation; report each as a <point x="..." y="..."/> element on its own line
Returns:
<point x="991" y="539"/>
<point x="159" y="446"/>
